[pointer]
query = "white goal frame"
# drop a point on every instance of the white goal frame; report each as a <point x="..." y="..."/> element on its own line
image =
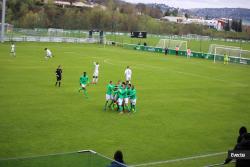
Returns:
<point x="215" y="54"/>
<point x="169" y="42"/>
<point x="213" y="46"/>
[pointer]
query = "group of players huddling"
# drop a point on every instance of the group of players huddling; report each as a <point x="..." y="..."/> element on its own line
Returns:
<point x="121" y="94"/>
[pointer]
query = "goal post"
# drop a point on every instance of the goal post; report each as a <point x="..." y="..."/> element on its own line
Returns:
<point x="231" y="52"/>
<point x="213" y="46"/>
<point x="218" y="52"/>
<point x="171" y="44"/>
<point x="245" y="54"/>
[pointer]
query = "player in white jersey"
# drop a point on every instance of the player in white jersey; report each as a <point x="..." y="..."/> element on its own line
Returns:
<point x="188" y="53"/>
<point x="96" y="73"/>
<point x="48" y="53"/>
<point x="128" y="74"/>
<point x="13" y="49"/>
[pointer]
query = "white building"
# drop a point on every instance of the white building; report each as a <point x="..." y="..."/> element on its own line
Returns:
<point x="218" y="24"/>
<point x="211" y="23"/>
<point x="175" y="19"/>
<point x="79" y="3"/>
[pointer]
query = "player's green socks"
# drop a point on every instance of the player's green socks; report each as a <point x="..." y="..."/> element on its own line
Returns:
<point x="120" y="108"/>
<point x="85" y="93"/>
<point x="110" y="104"/>
<point x="113" y="106"/>
<point x="126" y="108"/>
<point x="134" y="108"/>
<point x="105" y="106"/>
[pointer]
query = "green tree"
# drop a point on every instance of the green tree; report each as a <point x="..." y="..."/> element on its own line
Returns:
<point x="175" y="12"/>
<point x="227" y="27"/>
<point x="167" y="12"/>
<point x="155" y="13"/>
<point x="30" y="20"/>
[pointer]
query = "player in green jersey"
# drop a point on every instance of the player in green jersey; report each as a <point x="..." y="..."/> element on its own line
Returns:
<point x="119" y="84"/>
<point x="109" y="95"/>
<point x="132" y="97"/>
<point x="84" y="81"/>
<point x="121" y="94"/>
<point x="114" y="97"/>
<point x="126" y="96"/>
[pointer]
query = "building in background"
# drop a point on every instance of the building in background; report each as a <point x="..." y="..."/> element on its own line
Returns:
<point x="77" y="3"/>
<point x="218" y="24"/>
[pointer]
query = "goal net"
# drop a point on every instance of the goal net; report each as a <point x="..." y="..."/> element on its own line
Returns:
<point x="245" y="54"/>
<point x="220" y="50"/>
<point x="212" y="48"/>
<point x="171" y="44"/>
<point x="231" y="52"/>
<point x="197" y="37"/>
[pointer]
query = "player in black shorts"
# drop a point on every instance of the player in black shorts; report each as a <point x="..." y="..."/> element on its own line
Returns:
<point x="58" y="76"/>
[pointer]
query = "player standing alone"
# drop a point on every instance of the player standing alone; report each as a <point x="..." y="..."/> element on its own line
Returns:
<point x="13" y="49"/>
<point x="166" y="51"/>
<point x="128" y="74"/>
<point x="177" y="50"/>
<point x="226" y="59"/>
<point x="48" y="53"/>
<point x="96" y="73"/>
<point x="188" y="53"/>
<point x="84" y="80"/>
<point x="58" y="76"/>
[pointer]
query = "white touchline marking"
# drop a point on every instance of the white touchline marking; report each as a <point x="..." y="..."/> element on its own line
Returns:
<point x="70" y="52"/>
<point x="179" y="159"/>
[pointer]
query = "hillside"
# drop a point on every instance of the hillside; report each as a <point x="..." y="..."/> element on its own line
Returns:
<point x="115" y="16"/>
<point x="237" y="13"/>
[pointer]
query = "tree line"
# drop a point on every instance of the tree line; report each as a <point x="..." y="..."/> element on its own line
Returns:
<point x="117" y="16"/>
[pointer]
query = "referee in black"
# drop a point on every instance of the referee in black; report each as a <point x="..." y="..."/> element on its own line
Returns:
<point x="58" y="76"/>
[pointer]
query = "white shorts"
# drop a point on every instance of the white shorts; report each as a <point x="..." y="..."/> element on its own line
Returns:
<point x="128" y="78"/>
<point x="12" y="51"/>
<point x="115" y="97"/>
<point x="120" y="101"/>
<point x="49" y="55"/>
<point x="96" y="73"/>
<point x="126" y="100"/>
<point x="83" y="85"/>
<point x="133" y="101"/>
<point x="109" y="97"/>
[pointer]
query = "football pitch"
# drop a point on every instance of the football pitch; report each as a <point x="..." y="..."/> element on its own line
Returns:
<point x="185" y="107"/>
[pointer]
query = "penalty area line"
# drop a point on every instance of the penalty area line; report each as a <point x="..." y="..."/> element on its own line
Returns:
<point x="178" y="159"/>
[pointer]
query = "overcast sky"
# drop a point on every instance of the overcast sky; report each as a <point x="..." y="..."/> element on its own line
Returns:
<point x="199" y="3"/>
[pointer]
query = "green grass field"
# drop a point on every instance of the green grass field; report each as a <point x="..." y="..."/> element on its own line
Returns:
<point x="184" y="107"/>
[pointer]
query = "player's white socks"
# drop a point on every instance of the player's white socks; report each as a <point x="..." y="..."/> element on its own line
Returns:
<point x="94" y="80"/>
